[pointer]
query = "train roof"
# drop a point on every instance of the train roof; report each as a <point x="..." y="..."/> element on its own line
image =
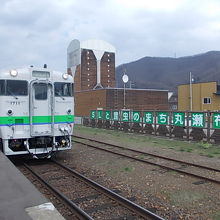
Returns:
<point x="30" y="73"/>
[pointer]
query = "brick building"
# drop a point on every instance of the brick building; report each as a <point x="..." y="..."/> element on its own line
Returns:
<point x="92" y="64"/>
<point x="113" y="99"/>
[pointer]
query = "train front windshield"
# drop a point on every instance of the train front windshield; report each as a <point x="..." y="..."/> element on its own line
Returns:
<point x="63" y="89"/>
<point x="13" y="87"/>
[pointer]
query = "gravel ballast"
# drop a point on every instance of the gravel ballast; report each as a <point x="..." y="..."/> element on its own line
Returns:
<point x="169" y="194"/>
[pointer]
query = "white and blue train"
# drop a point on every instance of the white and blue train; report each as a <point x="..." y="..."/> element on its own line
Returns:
<point x="36" y="111"/>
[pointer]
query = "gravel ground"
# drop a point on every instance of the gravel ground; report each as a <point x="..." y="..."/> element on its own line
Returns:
<point x="169" y="194"/>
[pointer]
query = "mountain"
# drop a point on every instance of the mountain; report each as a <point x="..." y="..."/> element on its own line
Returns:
<point x="168" y="73"/>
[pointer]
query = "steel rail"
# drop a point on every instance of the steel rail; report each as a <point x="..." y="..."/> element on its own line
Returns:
<point x="152" y="163"/>
<point x="151" y="154"/>
<point x="123" y="201"/>
<point x="79" y="212"/>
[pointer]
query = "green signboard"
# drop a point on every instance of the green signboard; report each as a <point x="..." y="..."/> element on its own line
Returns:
<point x="93" y="114"/>
<point x="216" y="120"/>
<point x="100" y="114"/>
<point x="115" y="115"/>
<point x="148" y="117"/>
<point x="136" y="116"/>
<point x="107" y="115"/>
<point x="162" y="118"/>
<point x="198" y="120"/>
<point x="125" y="116"/>
<point x="179" y="119"/>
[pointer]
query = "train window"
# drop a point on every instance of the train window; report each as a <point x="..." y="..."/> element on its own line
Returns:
<point x="2" y="87"/>
<point x="63" y="89"/>
<point x="16" y="87"/>
<point x="40" y="90"/>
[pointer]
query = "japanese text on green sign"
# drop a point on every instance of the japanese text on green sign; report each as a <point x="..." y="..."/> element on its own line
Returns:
<point x="162" y="118"/>
<point x="216" y="120"/>
<point x="179" y="118"/>
<point x="107" y="115"/>
<point x="115" y="115"/>
<point x="93" y="114"/>
<point x="148" y="117"/>
<point x="197" y="120"/>
<point x="125" y="116"/>
<point x="136" y="117"/>
<point x="100" y="114"/>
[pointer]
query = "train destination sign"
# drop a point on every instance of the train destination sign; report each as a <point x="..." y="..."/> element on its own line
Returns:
<point x="148" y="117"/>
<point x="162" y="118"/>
<point x="136" y="117"/>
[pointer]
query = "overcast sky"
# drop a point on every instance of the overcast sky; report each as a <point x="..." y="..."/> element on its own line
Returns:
<point x="39" y="31"/>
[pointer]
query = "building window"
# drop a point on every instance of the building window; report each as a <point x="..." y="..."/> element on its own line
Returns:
<point x="174" y="107"/>
<point x="207" y="100"/>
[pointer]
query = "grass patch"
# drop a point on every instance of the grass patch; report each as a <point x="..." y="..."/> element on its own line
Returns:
<point x="132" y="139"/>
<point x="186" y="198"/>
<point x="128" y="169"/>
<point x="204" y="145"/>
<point x="182" y="149"/>
<point x="141" y="157"/>
<point x="216" y="216"/>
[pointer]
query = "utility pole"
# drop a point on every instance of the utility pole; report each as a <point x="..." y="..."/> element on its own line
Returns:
<point x="190" y="91"/>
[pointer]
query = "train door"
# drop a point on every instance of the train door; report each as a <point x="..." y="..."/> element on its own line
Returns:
<point x="41" y="108"/>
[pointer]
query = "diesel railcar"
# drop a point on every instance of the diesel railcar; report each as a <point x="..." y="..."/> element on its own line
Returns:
<point x="36" y="111"/>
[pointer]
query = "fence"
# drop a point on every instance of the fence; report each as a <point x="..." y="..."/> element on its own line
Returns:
<point x="184" y="125"/>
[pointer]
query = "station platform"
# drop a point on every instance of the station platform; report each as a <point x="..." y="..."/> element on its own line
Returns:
<point x="19" y="199"/>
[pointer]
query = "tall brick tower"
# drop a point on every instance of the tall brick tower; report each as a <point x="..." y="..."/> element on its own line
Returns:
<point x="92" y="63"/>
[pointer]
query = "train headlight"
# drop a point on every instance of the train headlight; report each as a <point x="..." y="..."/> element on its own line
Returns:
<point x="65" y="76"/>
<point x="69" y="111"/>
<point x="10" y="112"/>
<point x="13" y="73"/>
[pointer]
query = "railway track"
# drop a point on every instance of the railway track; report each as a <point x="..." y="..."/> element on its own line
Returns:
<point x="199" y="171"/>
<point x="85" y="198"/>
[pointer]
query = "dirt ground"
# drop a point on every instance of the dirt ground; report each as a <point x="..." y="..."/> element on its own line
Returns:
<point x="169" y="194"/>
